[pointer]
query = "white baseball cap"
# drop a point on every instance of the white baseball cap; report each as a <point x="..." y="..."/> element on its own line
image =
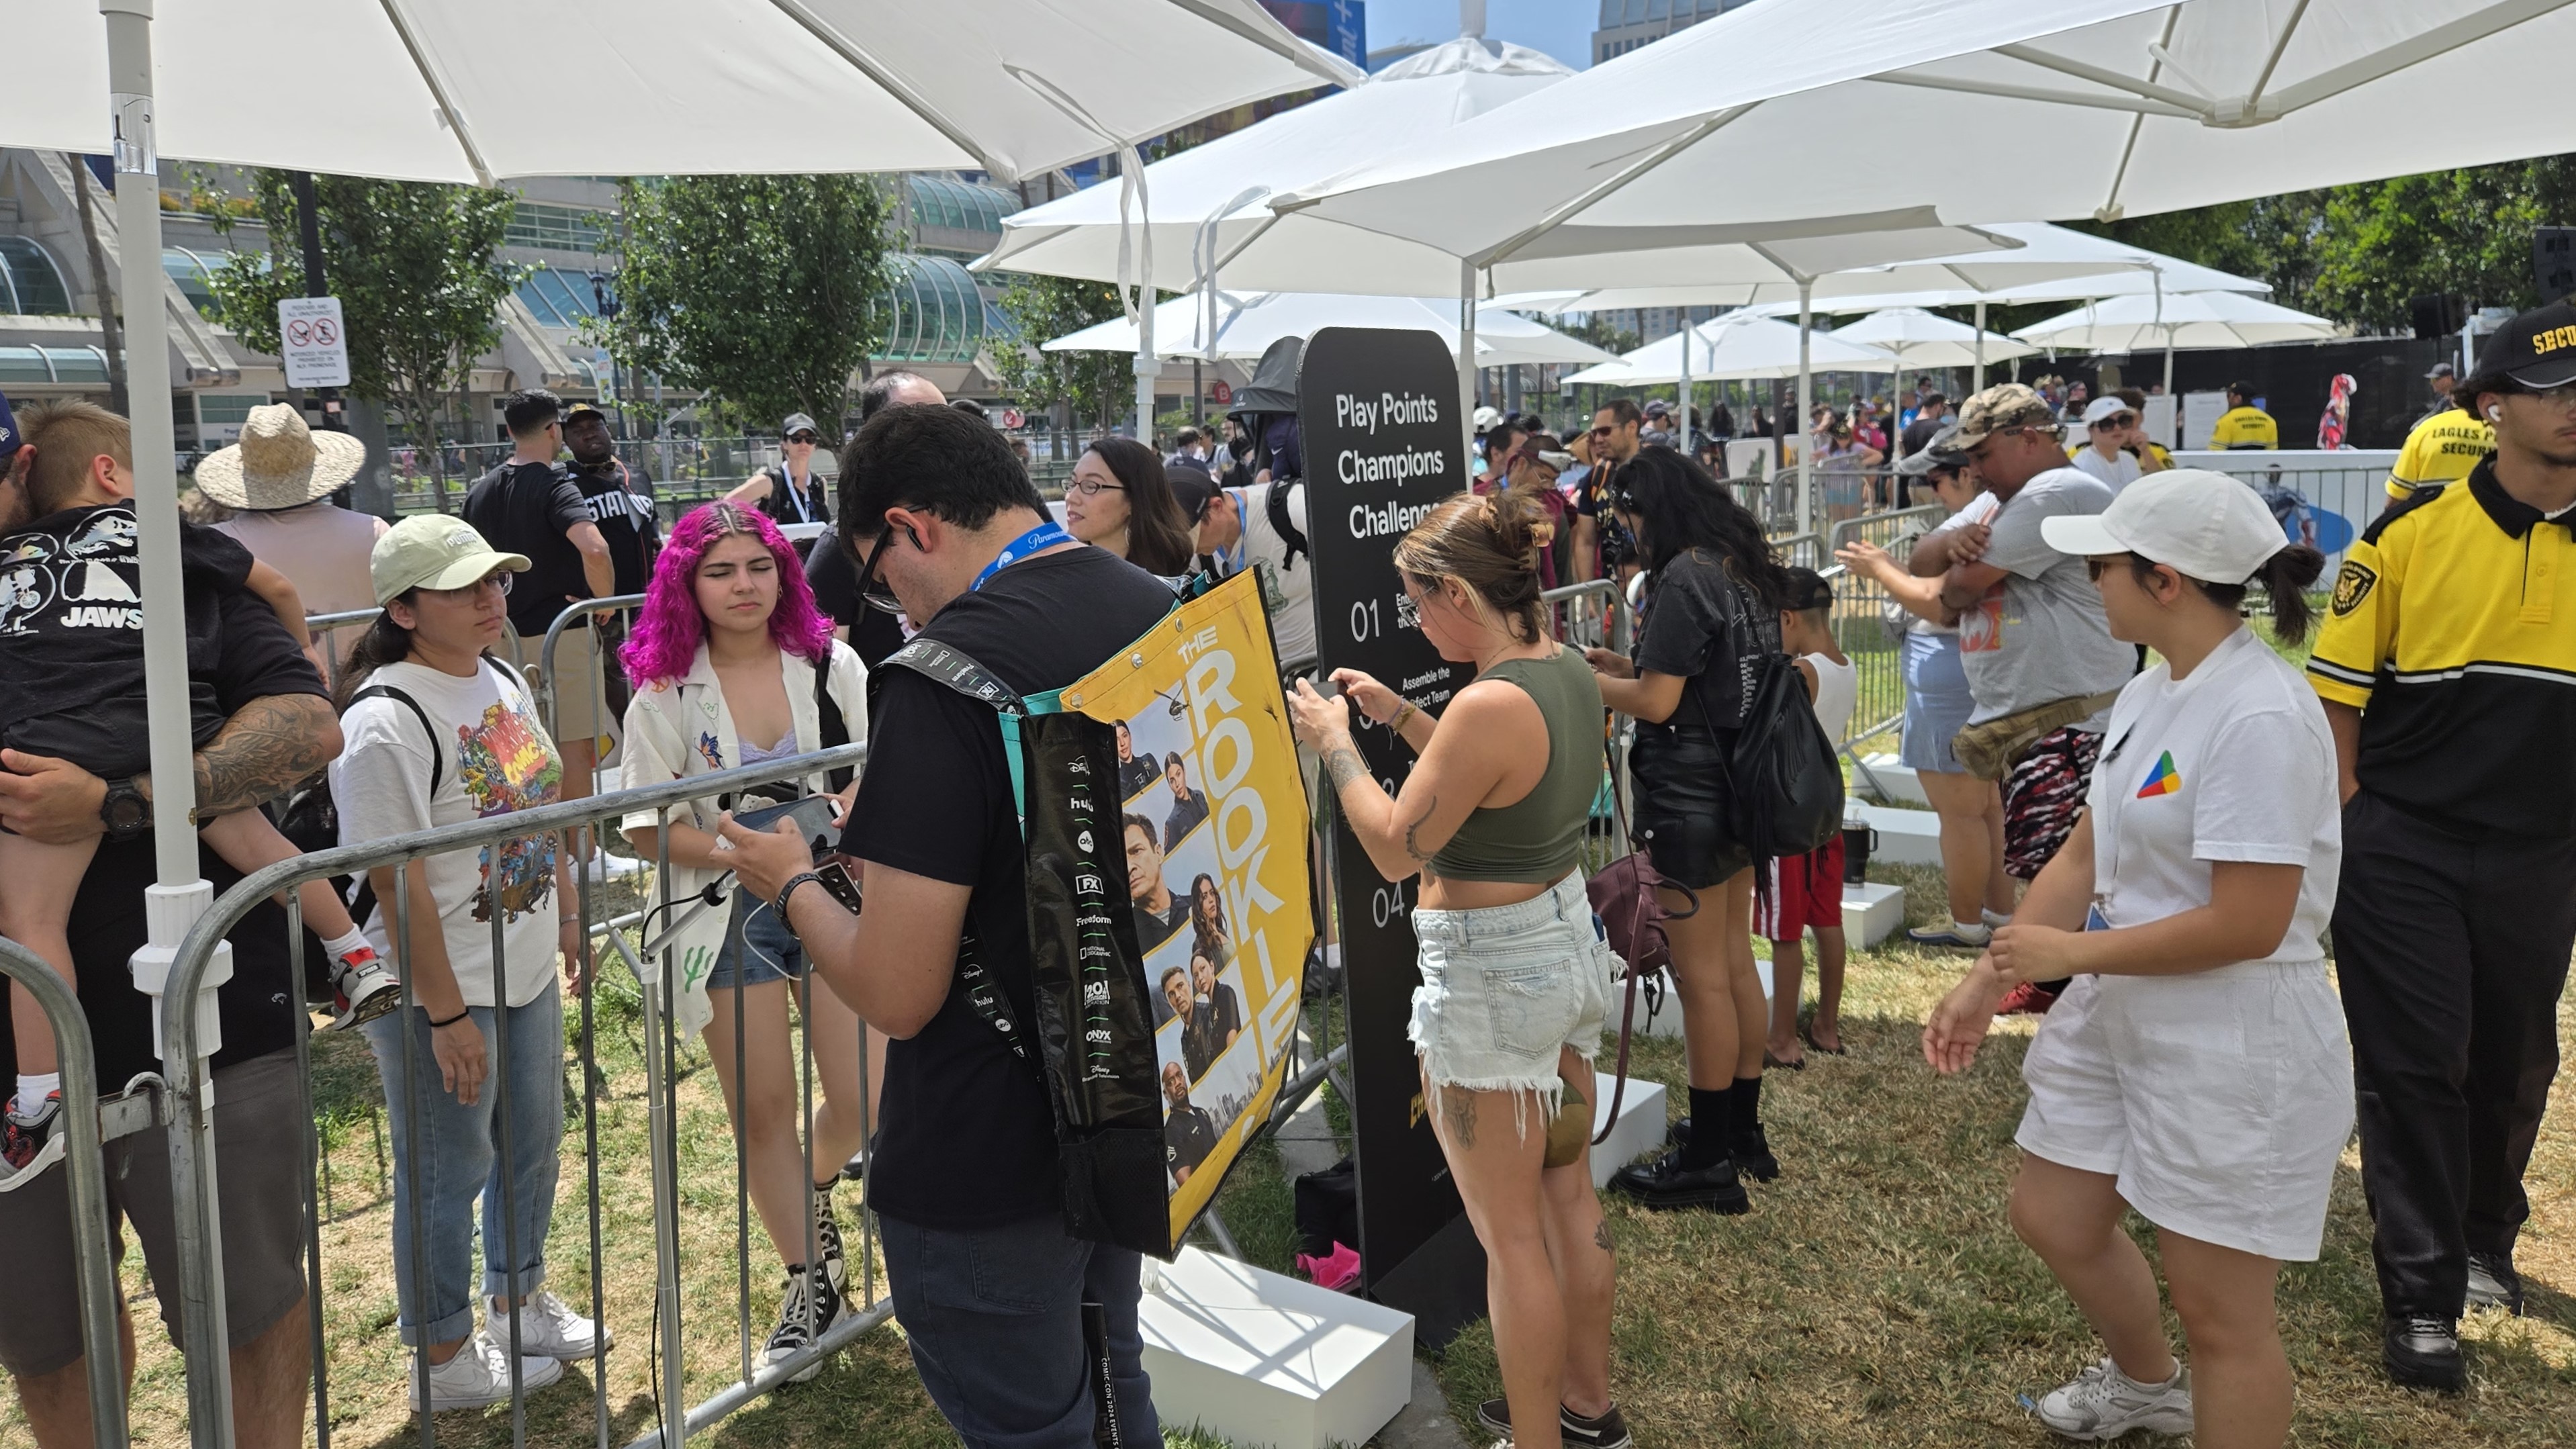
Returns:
<point x="2106" y="406"/>
<point x="2207" y="525"/>
<point x="434" y="551"/>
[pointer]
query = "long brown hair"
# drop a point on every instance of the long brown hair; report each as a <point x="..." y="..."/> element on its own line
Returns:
<point x="1489" y="544"/>
<point x="1158" y="536"/>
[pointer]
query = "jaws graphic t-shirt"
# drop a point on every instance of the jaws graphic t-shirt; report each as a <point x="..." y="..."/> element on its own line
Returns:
<point x="494" y="759"/>
<point x="71" y="633"/>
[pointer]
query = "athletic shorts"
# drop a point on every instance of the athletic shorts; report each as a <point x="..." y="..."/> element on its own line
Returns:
<point x="259" y="1202"/>
<point x="2042" y="797"/>
<point x="1505" y="987"/>
<point x="1806" y="890"/>
<point x="2219" y="1100"/>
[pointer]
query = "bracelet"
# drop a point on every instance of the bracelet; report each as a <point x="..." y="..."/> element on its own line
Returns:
<point x="1409" y="711"/>
<point x="789" y="889"/>
<point x="453" y="1020"/>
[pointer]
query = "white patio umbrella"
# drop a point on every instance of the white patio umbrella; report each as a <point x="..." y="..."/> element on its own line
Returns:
<point x="2192" y="320"/>
<point x="1737" y="345"/>
<point x="441" y="91"/>
<point x="1246" y="326"/>
<point x="1918" y="339"/>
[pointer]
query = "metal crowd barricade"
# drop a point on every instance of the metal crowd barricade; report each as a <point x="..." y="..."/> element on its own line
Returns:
<point x="93" y="1257"/>
<point x="1868" y="623"/>
<point x="194" y="1153"/>
<point x="1594" y="614"/>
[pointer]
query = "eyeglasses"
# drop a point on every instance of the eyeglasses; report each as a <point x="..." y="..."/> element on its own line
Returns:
<point x="2121" y="421"/>
<point x="2562" y="396"/>
<point x="1093" y="487"/>
<point x="498" y="581"/>
<point x="871" y="593"/>
<point x="808" y="439"/>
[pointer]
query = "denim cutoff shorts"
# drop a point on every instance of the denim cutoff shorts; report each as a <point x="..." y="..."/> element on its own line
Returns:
<point x="758" y="948"/>
<point x="1504" y="987"/>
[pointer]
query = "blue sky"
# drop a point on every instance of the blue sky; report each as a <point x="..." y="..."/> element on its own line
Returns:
<point x="1562" y="28"/>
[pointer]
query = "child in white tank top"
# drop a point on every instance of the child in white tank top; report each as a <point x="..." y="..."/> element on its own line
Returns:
<point x="1806" y="891"/>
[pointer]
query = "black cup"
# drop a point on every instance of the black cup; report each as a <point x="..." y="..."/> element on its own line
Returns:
<point x="1858" y="842"/>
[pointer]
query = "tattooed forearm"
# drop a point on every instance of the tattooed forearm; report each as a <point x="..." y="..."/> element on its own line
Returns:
<point x="1601" y="1235"/>
<point x="1458" y="1114"/>
<point x="1412" y="846"/>
<point x="268" y="746"/>
<point x="1344" y="764"/>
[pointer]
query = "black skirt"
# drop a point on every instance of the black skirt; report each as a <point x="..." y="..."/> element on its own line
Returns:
<point x="1681" y="806"/>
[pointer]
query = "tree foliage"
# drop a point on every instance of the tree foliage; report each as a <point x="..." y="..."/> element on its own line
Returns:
<point x="415" y="267"/>
<point x="765" y="291"/>
<point x="1093" y="386"/>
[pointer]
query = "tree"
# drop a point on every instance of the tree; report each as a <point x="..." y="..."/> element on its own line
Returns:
<point x="766" y="292"/>
<point x="1091" y="386"/>
<point x="2463" y="233"/>
<point x="416" y="269"/>
<point x="1597" y="329"/>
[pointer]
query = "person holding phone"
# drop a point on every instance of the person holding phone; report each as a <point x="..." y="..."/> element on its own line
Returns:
<point x="2195" y="1068"/>
<point x="733" y="665"/>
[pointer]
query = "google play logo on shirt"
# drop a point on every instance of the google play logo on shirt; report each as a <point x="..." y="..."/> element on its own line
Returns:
<point x="2164" y="779"/>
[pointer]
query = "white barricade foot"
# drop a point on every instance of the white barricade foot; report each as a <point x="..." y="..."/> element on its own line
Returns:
<point x="1905" y="837"/>
<point x="1640" y="1128"/>
<point x="1895" y="778"/>
<point x="1872" y="912"/>
<point x="1261" y="1359"/>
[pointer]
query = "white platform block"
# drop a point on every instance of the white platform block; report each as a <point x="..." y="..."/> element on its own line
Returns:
<point x="1260" y="1359"/>
<point x="1893" y="777"/>
<point x="1872" y="912"/>
<point x="1905" y="837"/>
<point x="1641" y="1119"/>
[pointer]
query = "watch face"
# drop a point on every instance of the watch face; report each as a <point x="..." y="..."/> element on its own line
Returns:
<point x="126" y="810"/>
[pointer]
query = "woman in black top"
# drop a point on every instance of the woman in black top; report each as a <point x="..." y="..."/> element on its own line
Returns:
<point x="1710" y="614"/>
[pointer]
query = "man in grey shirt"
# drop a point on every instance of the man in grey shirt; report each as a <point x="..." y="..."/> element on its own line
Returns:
<point x="2032" y="631"/>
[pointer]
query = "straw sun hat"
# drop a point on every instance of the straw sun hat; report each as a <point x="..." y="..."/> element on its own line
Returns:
<point x="279" y="463"/>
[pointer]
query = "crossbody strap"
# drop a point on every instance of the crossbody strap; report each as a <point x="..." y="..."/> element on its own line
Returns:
<point x="437" y="757"/>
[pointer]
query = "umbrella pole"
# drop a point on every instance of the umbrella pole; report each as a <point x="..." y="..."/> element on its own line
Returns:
<point x="1806" y="433"/>
<point x="1684" y="388"/>
<point x="1979" y="385"/>
<point x="1467" y="363"/>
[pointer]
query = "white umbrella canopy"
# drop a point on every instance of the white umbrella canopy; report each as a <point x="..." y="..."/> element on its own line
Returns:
<point x="1206" y="202"/>
<point x="2192" y="320"/>
<point x="2088" y="108"/>
<point x="1917" y="339"/>
<point x="1246" y="326"/>
<point x="1737" y="345"/>
<point x="446" y="90"/>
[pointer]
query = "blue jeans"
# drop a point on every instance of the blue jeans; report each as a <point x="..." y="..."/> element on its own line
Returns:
<point x="994" y="1316"/>
<point x="459" y="1161"/>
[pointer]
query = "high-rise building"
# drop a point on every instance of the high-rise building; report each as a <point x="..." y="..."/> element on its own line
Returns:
<point x="1627" y="24"/>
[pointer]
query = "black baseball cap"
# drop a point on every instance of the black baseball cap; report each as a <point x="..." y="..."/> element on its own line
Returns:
<point x="2535" y="351"/>
<point x="581" y="410"/>
<point x="1192" y="487"/>
<point x="1809" y="589"/>
<point x="9" y="439"/>
<point x="1941" y="452"/>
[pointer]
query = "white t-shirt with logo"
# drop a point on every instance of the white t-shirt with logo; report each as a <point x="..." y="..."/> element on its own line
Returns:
<point x="2233" y="762"/>
<point x="495" y="758"/>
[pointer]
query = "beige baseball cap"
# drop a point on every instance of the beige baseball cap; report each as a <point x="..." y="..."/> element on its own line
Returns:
<point x="433" y="551"/>
<point x="2206" y="525"/>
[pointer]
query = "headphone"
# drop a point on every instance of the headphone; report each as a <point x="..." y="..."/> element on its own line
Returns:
<point x="2495" y="414"/>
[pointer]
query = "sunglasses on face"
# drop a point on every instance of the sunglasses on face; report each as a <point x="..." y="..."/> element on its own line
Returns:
<point x="808" y="439"/>
<point x="2122" y="421"/>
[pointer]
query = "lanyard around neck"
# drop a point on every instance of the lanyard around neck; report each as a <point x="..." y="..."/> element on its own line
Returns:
<point x="1037" y="540"/>
<point x="795" y="495"/>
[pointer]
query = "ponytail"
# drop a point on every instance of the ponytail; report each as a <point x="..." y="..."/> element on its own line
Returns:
<point x="2284" y="579"/>
<point x="1488" y="543"/>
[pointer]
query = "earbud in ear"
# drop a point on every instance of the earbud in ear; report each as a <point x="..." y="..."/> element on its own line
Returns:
<point x="2495" y="414"/>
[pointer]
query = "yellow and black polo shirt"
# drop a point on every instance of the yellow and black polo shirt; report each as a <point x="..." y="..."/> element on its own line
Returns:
<point x="2453" y="630"/>
<point x="2245" y="427"/>
<point x="2440" y="449"/>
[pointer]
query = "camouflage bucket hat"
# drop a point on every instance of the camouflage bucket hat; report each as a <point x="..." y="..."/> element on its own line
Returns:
<point x="2005" y="405"/>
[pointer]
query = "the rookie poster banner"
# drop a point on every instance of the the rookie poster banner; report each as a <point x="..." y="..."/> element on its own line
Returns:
<point x="1212" y="825"/>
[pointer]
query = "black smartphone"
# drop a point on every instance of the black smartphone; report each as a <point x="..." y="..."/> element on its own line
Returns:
<point x="836" y="879"/>
<point x="812" y="814"/>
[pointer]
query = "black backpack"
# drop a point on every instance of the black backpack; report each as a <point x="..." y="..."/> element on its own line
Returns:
<point x="1785" y="791"/>
<point x="311" y="819"/>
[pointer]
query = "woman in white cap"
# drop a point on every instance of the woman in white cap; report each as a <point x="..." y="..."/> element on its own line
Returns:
<point x="2196" y="1070"/>
<point x="278" y="480"/>
<point x="438" y="733"/>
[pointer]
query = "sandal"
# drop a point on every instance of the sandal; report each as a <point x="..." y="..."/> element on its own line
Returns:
<point x="1773" y="1063"/>
<point x="1809" y="1037"/>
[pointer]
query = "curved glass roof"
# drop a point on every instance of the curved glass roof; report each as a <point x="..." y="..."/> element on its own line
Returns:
<point x="30" y="283"/>
<point x="194" y="272"/>
<point x="938" y="314"/>
<point x="53" y="364"/>
<point x="959" y="205"/>
<point x="560" y="299"/>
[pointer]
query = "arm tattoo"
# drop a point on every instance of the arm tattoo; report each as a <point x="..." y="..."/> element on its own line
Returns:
<point x="1458" y="1113"/>
<point x="264" y="750"/>
<point x="1601" y="1235"/>
<point x="1413" y="847"/>
<point x="1345" y="765"/>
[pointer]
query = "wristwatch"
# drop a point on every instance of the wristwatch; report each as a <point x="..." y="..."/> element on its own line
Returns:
<point x="124" y="810"/>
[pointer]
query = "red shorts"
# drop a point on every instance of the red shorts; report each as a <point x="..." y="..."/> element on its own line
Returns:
<point x="1806" y="890"/>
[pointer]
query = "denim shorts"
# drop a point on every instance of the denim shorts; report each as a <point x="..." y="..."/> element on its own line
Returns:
<point x="758" y="947"/>
<point x="1937" y="703"/>
<point x="1504" y="987"/>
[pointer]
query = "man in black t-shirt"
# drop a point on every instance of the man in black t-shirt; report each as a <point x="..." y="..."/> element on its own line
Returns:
<point x="964" y="1169"/>
<point x="1928" y="422"/>
<point x="530" y="506"/>
<point x="621" y="504"/>
<point x="1602" y="548"/>
<point x="279" y="729"/>
<point x="1189" y="1133"/>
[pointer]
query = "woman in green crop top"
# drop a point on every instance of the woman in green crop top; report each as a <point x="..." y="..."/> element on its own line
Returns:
<point x="1515" y="975"/>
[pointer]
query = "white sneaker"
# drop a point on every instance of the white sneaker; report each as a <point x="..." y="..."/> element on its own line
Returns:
<point x="2104" y="1403"/>
<point x="549" y="1329"/>
<point x="479" y="1376"/>
<point x="1995" y="920"/>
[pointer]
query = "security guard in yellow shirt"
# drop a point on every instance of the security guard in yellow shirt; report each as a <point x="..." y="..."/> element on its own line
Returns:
<point x="2448" y="669"/>
<point x="2440" y="449"/>
<point x="2244" y="425"/>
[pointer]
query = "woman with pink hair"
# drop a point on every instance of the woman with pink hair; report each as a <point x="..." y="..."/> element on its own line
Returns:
<point x="733" y="666"/>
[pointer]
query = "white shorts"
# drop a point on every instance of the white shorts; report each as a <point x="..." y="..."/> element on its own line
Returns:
<point x="2221" y="1100"/>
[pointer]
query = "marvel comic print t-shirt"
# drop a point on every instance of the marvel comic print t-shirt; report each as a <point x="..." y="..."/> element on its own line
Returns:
<point x="494" y="758"/>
